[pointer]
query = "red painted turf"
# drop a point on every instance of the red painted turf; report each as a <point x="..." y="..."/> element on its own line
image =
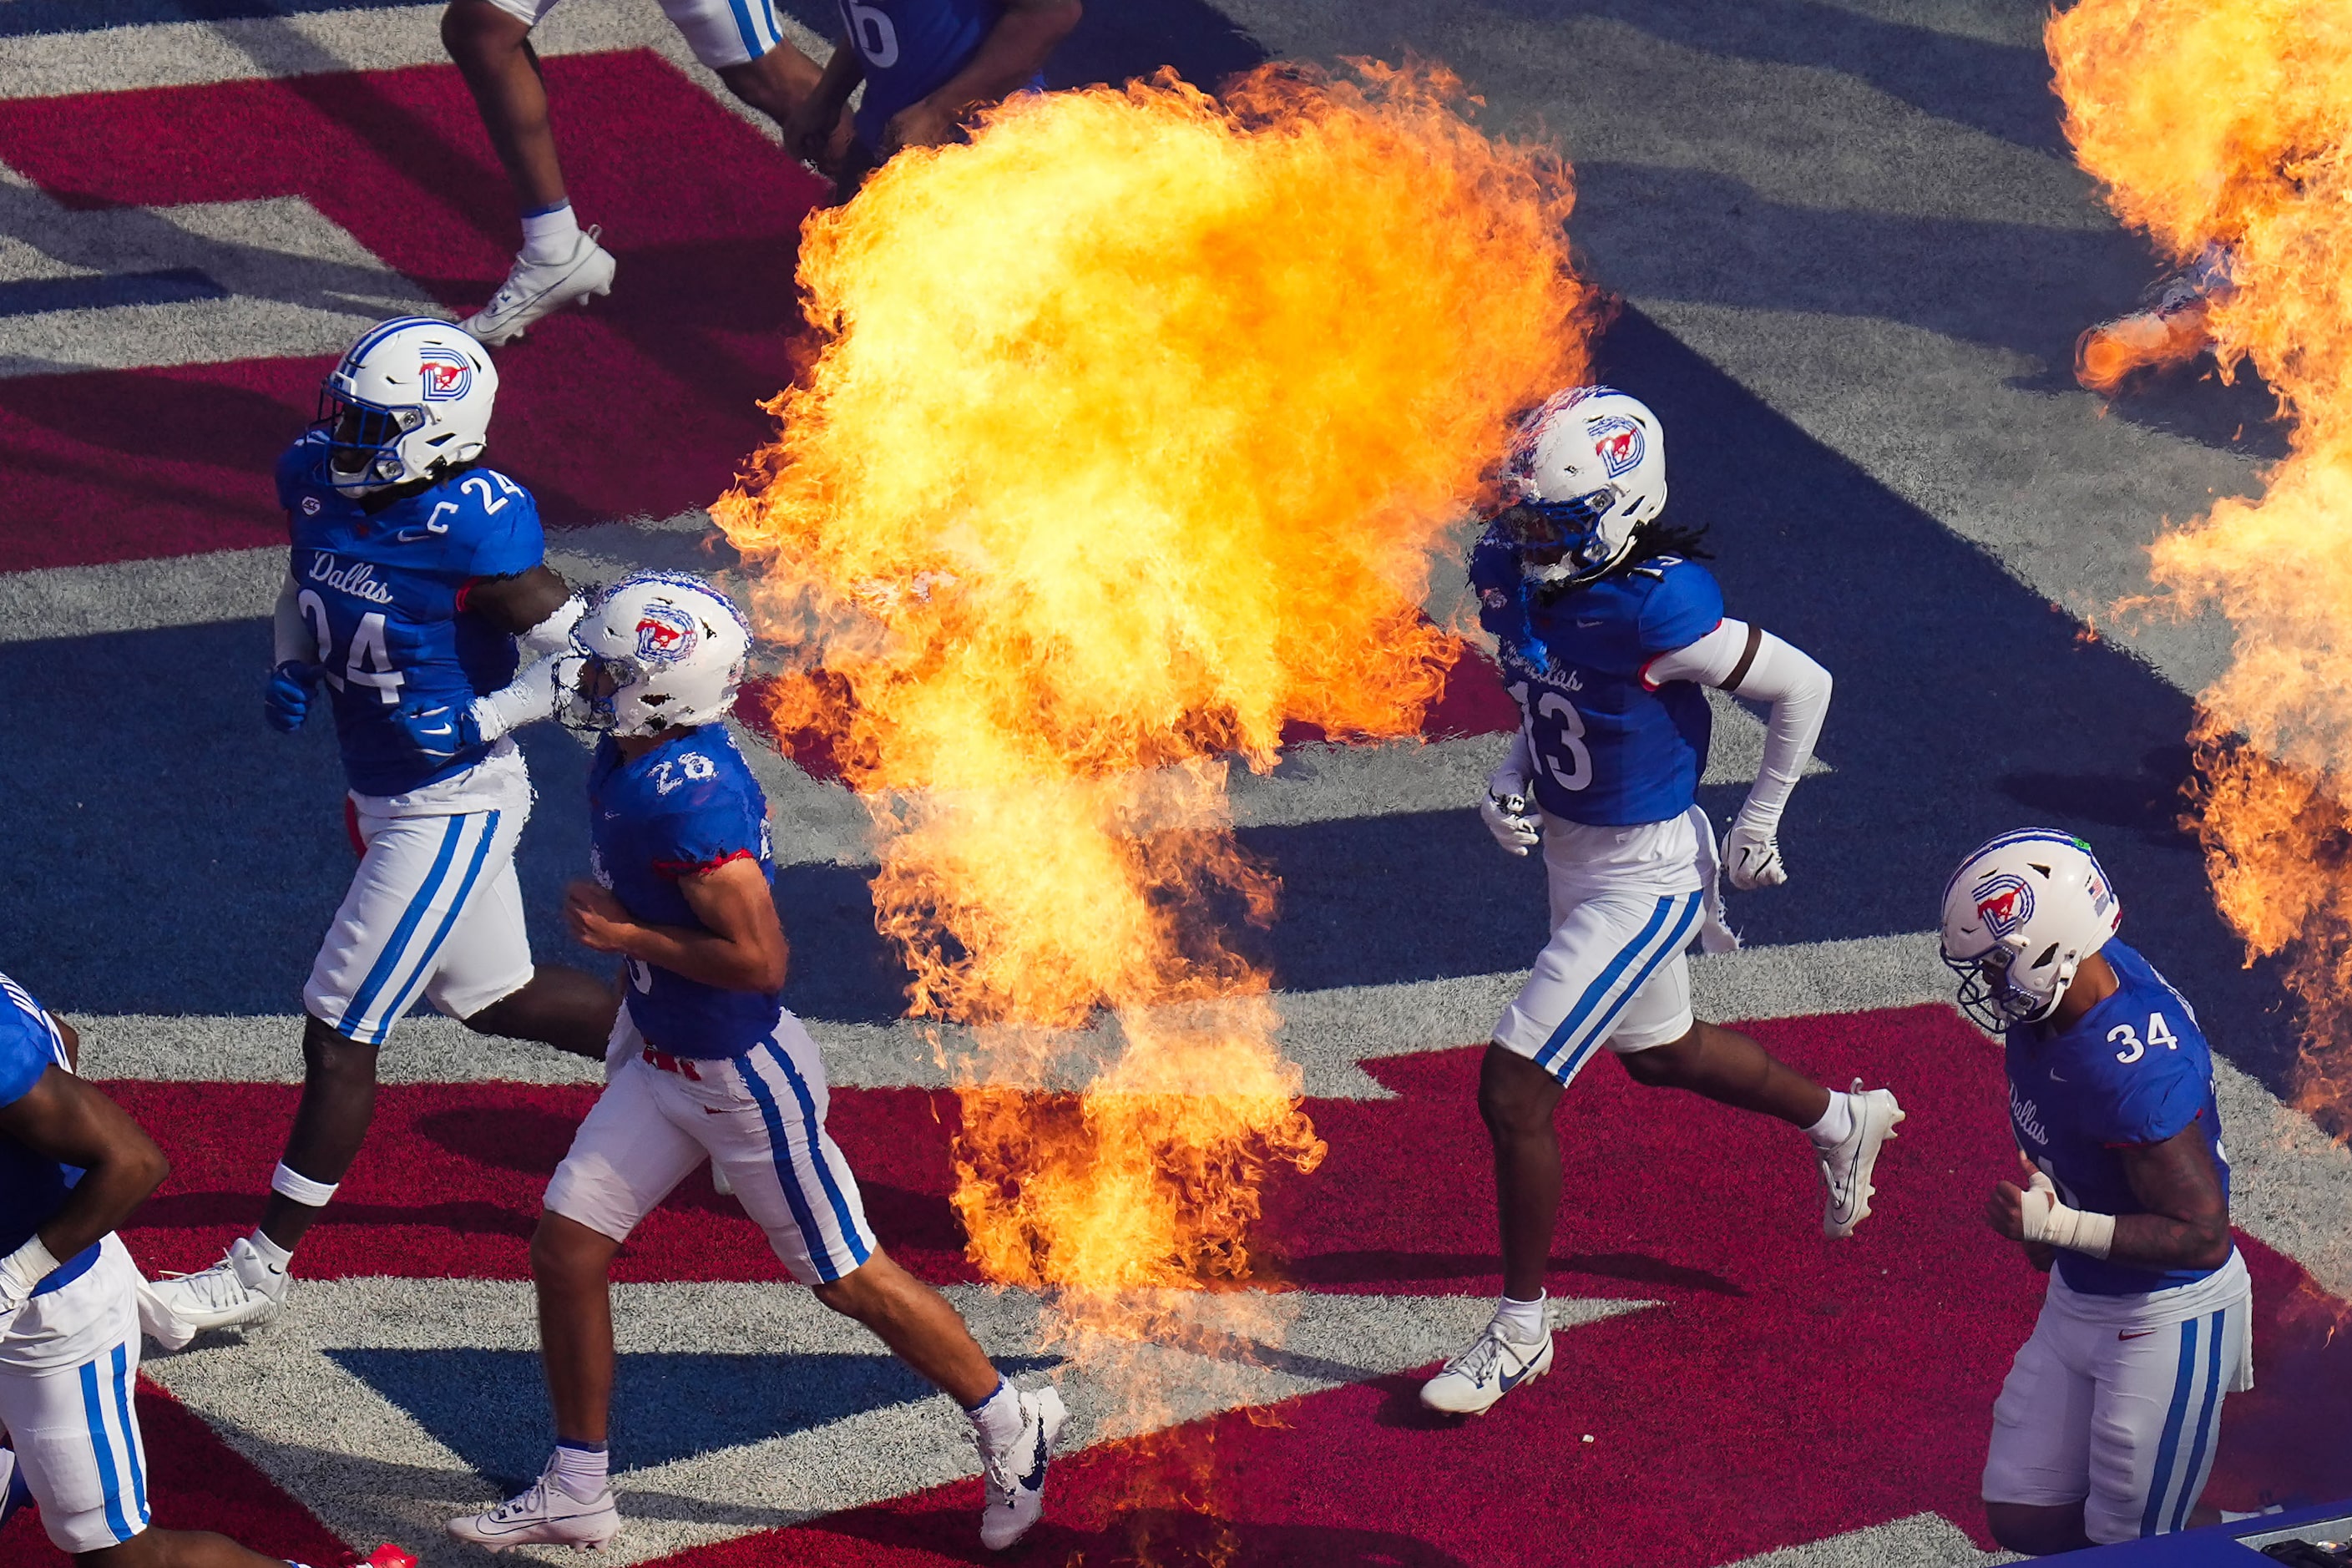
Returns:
<point x="1786" y="1388"/>
<point x="643" y="405"/>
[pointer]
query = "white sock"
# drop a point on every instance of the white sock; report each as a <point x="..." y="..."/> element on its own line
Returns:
<point x="1836" y="1124"/>
<point x="998" y="1417"/>
<point x="578" y="1468"/>
<point x="550" y="236"/>
<point x="276" y="1257"/>
<point x="1523" y="1322"/>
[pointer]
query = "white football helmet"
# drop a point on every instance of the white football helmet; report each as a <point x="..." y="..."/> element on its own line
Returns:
<point x="656" y="650"/>
<point x="409" y="400"/>
<point x="1586" y="468"/>
<point x="2019" y="916"/>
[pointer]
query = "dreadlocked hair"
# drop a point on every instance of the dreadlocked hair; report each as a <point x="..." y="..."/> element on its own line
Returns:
<point x="1652" y="539"/>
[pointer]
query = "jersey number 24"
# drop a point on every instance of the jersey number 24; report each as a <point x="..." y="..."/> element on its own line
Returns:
<point x="367" y="662"/>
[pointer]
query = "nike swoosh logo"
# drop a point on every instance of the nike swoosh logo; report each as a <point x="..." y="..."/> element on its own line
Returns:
<point x="1583" y="624"/>
<point x="1510" y="1383"/>
<point x="1035" y="1480"/>
<point x="408" y="536"/>
<point x="2134" y="1334"/>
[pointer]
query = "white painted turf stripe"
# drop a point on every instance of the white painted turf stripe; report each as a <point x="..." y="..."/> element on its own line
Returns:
<point x="373" y="1472"/>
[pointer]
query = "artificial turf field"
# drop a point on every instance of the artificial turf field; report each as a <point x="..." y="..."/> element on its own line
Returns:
<point x="1854" y="255"/>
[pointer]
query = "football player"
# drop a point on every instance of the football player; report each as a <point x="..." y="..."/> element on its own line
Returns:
<point x="927" y="66"/>
<point x="706" y="1064"/>
<point x="2105" y="1428"/>
<point x="415" y="572"/>
<point x="1607" y="631"/>
<point x="559" y="264"/>
<point x="72" y="1167"/>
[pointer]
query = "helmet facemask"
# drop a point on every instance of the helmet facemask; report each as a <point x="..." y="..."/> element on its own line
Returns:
<point x="1561" y="542"/>
<point x="1998" y="1003"/>
<point x="363" y="441"/>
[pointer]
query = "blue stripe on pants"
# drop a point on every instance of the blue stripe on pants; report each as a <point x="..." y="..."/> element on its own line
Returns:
<point x="1591" y="1017"/>
<point x="2152" y="1517"/>
<point x="780" y="1151"/>
<point x="750" y="36"/>
<point x="457" y="907"/>
<point x="816" y="1132"/>
<point x="355" y="1015"/>
<point x="130" y="1432"/>
<point x="94" y="1409"/>
<point x="2205" y="1419"/>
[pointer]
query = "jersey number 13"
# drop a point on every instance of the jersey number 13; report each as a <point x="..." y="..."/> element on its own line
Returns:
<point x="1555" y="735"/>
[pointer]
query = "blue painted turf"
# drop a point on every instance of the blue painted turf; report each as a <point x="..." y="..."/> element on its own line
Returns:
<point x="489" y="1408"/>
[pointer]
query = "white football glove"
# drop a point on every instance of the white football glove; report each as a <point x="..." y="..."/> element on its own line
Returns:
<point x="1752" y="856"/>
<point x="1508" y="817"/>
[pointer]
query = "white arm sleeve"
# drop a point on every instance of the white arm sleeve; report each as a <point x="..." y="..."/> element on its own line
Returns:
<point x="530" y="698"/>
<point x="289" y="633"/>
<point x="553" y="635"/>
<point x="1751" y="662"/>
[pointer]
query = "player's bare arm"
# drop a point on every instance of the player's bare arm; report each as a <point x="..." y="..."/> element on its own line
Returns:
<point x="1013" y="52"/>
<point x="742" y="950"/>
<point x="808" y="134"/>
<point x="519" y="604"/>
<point x="63" y="1119"/>
<point x="2187" y="1222"/>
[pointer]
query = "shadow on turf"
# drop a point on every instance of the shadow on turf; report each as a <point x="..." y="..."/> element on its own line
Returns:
<point x="199" y="1211"/>
<point x="1378" y="1266"/>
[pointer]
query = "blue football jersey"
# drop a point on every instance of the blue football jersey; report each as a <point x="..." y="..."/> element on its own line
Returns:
<point x="384" y="594"/>
<point x="2134" y="1070"/>
<point x="1610" y="749"/>
<point x="687" y="805"/>
<point x="33" y="1186"/>
<point x="911" y="50"/>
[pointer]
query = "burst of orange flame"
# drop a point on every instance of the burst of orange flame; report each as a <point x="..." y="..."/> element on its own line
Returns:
<point x="2229" y="122"/>
<point x="1136" y="420"/>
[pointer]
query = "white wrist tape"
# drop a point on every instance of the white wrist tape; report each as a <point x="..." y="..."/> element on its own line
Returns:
<point x="289" y="1183"/>
<point x="2047" y="1219"/>
<point x="24" y="1268"/>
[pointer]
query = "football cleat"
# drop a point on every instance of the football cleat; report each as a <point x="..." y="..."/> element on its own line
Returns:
<point x="243" y="1289"/>
<point x="1846" y="1166"/>
<point x="537" y="289"/>
<point x="1014" y="1475"/>
<point x="544" y="1515"/>
<point x="1484" y="1370"/>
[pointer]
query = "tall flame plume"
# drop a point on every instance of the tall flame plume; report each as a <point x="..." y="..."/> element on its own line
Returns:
<point x="2228" y="122"/>
<point x="1135" y="424"/>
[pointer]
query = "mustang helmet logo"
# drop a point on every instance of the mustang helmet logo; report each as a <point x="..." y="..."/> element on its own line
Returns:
<point x="1618" y="442"/>
<point x="664" y="634"/>
<point x="2004" y="903"/>
<point x="444" y="373"/>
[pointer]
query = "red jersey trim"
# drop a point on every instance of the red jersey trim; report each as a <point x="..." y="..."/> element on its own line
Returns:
<point x="674" y="870"/>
